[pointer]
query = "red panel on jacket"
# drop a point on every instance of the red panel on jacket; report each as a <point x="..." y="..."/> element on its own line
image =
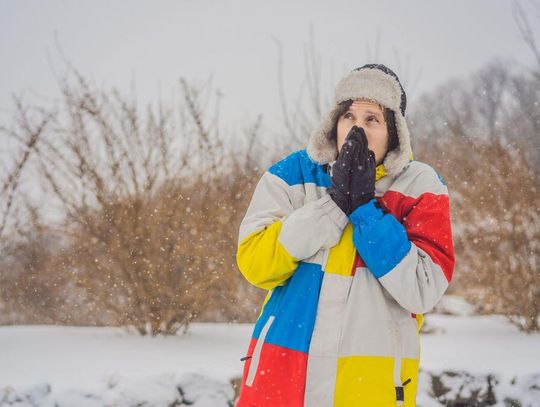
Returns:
<point x="426" y="220"/>
<point x="280" y="378"/>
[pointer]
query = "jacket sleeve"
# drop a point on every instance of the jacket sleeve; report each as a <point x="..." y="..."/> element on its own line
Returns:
<point x="274" y="235"/>
<point x="414" y="261"/>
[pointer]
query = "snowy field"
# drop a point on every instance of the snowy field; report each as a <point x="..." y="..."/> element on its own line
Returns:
<point x="72" y="366"/>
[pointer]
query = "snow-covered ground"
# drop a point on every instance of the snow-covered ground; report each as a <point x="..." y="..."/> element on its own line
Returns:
<point x="62" y="365"/>
<point x="479" y="346"/>
<point x="80" y="366"/>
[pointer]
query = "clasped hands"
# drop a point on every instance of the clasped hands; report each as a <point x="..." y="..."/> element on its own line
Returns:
<point x="353" y="173"/>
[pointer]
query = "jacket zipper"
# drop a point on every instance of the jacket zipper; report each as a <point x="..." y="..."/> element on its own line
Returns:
<point x="397" y="367"/>
<point x="400" y="394"/>
<point x="255" y="357"/>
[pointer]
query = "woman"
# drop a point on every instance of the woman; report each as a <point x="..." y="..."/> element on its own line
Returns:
<point x="352" y="239"/>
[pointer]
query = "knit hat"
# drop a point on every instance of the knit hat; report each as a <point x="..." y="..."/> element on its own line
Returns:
<point x="381" y="85"/>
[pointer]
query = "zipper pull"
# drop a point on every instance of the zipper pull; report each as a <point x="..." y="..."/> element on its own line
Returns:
<point x="244" y="358"/>
<point x="400" y="395"/>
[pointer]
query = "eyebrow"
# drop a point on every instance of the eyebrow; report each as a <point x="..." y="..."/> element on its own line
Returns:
<point x="368" y="112"/>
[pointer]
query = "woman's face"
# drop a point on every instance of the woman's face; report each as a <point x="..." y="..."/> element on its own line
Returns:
<point x="370" y="117"/>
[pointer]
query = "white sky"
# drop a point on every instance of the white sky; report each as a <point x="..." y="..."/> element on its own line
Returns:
<point x="156" y="42"/>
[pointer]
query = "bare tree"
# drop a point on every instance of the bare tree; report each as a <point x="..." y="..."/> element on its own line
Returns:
<point x="474" y="107"/>
<point x="527" y="33"/>
<point x="33" y="128"/>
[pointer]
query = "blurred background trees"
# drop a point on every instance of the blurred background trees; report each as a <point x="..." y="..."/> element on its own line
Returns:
<point x="482" y="133"/>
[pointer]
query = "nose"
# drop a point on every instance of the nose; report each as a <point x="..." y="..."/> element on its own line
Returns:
<point x="359" y="125"/>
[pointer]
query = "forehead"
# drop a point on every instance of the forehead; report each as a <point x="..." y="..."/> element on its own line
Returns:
<point x="362" y="105"/>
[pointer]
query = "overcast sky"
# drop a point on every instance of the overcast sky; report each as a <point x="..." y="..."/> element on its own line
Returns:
<point x="156" y="42"/>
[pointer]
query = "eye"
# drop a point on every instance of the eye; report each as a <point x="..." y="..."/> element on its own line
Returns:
<point x="347" y="115"/>
<point x="373" y="117"/>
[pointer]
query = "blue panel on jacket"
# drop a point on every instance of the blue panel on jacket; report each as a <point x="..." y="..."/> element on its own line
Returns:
<point x="379" y="238"/>
<point x="299" y="168"/>
<point x="294" y="306"/>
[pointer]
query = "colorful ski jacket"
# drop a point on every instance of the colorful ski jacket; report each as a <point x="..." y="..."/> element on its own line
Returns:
<point x="346" y="295"/>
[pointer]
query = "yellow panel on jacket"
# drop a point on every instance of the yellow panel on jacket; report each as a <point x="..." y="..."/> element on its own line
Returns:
<point x="367" y="381"/>
<point x="263" y="260"/>
<point x="341" y="256"/>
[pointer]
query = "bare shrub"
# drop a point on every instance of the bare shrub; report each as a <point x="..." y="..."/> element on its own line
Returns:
<point x="496" y="225"/>
<point x="150" y="223"/>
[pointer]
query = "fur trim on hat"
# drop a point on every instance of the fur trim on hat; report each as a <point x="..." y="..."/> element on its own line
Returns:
<point x="365" y="83"/>
<point x="370" y="83"/>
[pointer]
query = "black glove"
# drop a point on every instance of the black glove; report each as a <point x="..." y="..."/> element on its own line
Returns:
<point x="362" y="187"/>
<point x="339" y="189"/>
<point x="353" y="173"/>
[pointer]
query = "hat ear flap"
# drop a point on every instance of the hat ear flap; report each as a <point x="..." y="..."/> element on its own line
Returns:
<point x="321" y="147"/>
<point x="393" y="138"/>
<point x="396" y="160"/>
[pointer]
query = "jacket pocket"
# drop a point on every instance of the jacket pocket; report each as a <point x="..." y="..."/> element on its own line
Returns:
<point x="255" y="357"/>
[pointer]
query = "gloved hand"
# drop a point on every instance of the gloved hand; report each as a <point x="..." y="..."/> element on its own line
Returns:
<point x="353" y="173"/>
<point x="362" y="187"/>
<point x="339" y="189"/>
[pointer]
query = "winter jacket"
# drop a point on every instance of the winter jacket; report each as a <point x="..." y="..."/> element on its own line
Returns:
<point x="346" y="295"/>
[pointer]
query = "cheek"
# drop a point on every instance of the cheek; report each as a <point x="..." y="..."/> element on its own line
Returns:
<point x="378" y="145"/>
<point x="376" y="142"/>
